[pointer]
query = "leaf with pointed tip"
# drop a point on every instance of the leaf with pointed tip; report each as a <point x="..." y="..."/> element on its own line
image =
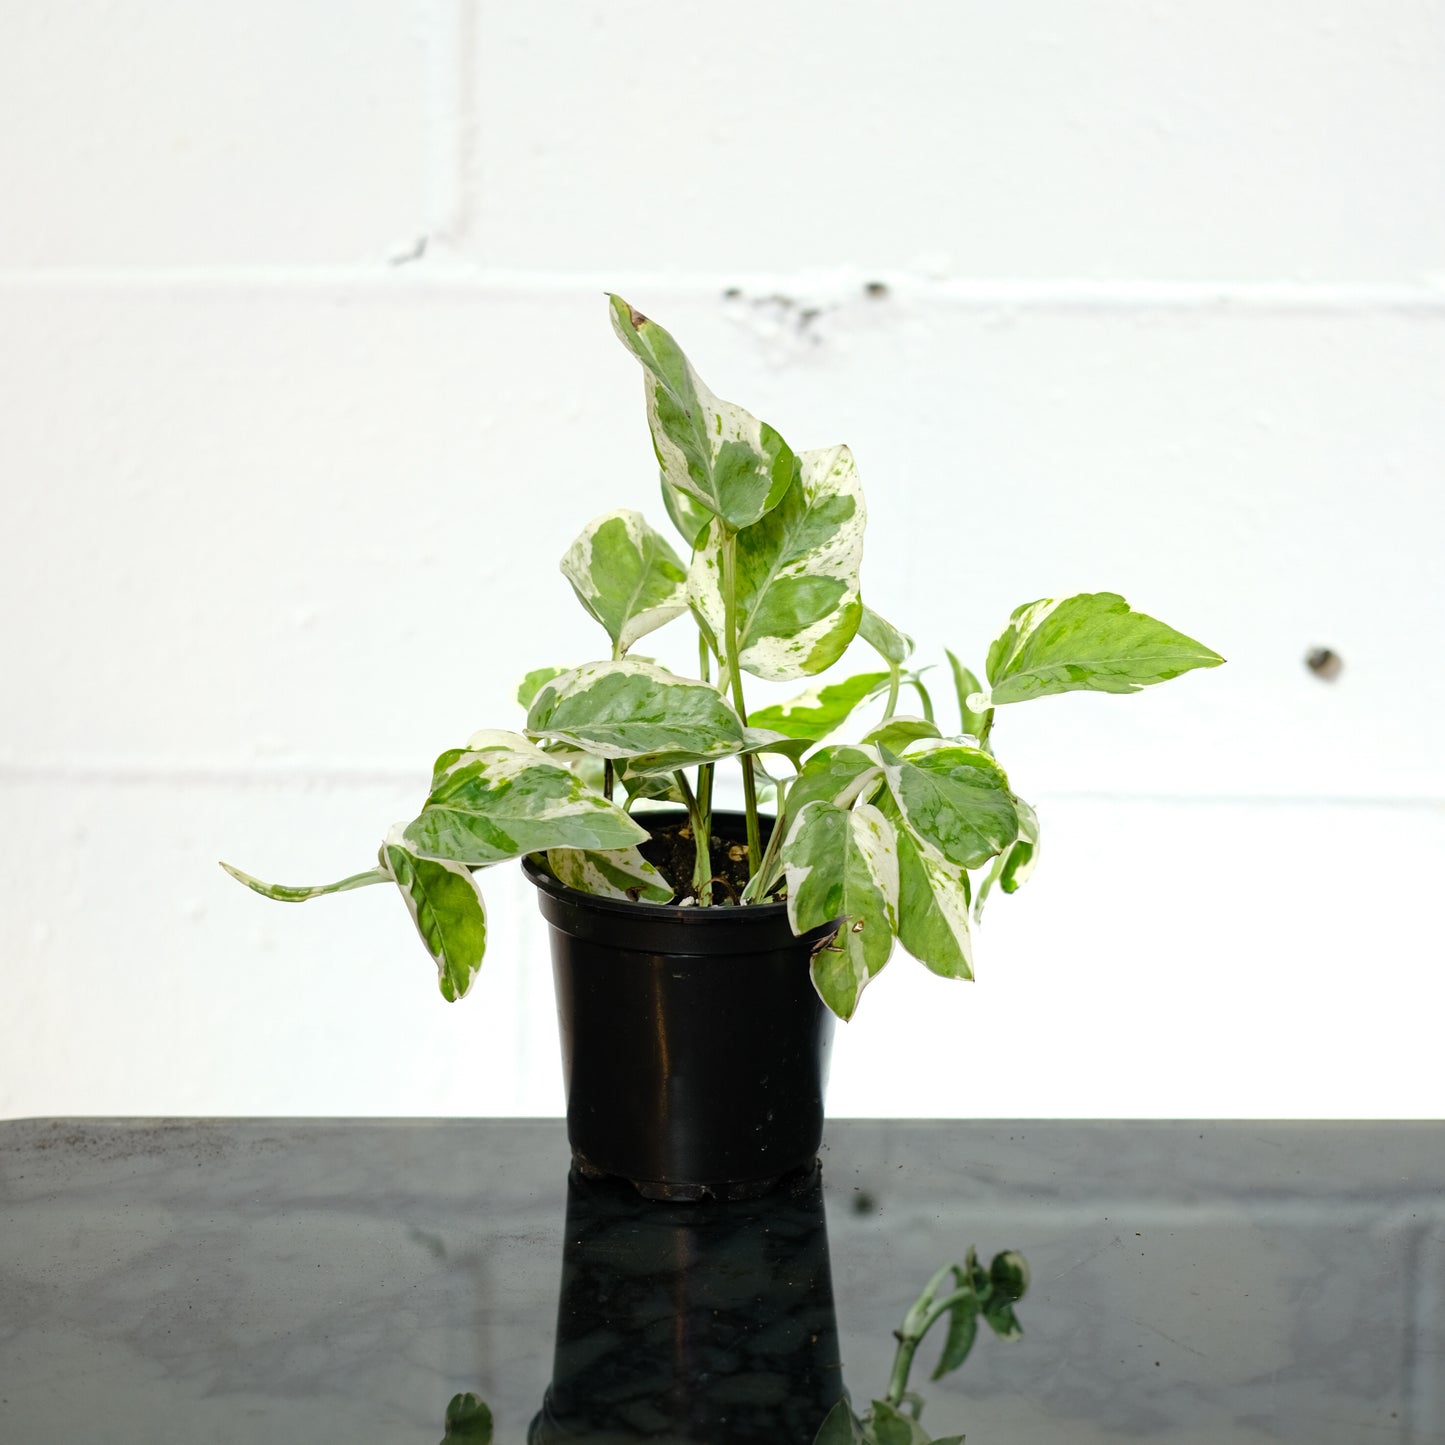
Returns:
<point x="796" y="589"/>
<point x="836" y="775"/>
<point x="446" y="905"/>
<point x="962" y="1331"/>
<point x="933" y="899"/>
<point x="713" y="451"/>
<point x="1094" y="642"/>
<point x="502" y="797"/>
<point x="890" y="1426"/>
<point x="897" y="732"/>
<point x="884" y="638"/>
<point x="966" y="684"/>
<point x="956" y="800"/>
<point x="820" y="710"/>
<point x="616" y="873"/>
<point x="626" y="575"/>
<point x="469" y="1419"/>
<point x="639" y="711"/>
<point x="1013" y="867"/>
<point x="843" y="864"/>
<point x="840" y="1427"/>
<point x="530" y="685"/>
<point x="765" y="740"/>
<point x="283" y="893"/>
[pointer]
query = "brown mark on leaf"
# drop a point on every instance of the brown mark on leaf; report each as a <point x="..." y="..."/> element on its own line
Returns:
<point x="636" y="317"/>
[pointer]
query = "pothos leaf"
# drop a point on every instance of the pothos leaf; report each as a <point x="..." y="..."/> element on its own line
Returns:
<point x="1094" y="641"/>
<point x="626" y="575"/>
<point x="836" y="775"/>
<point x="796" y="583"/>
<point x="446" y="905"/>
<point x="1014" y="866"/>
<point x="469" y="1419"/>
<point x="282" y="893"/>
<point x="962" y="1327"/>
<point x="841" y="1427"/>
<point x="933" y="899"/>
<point x="975" y="723"/>
<point x="502" y="797"/>
<point x="820" y="710"/>
<point x="884" y="638"/>
<point x="897" y="732"/>
<point x="843" y="864"/>
<point x="711" y="450"/>
<point x="616" y="873"/>
<point x="529" y="686"/>
<point x="956" y="800"/>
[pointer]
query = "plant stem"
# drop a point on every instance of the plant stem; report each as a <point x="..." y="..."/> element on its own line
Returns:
<point x="730" y="644"/>
<point x="909" y="1339"/>
<point x="701" y="841"/>
<point x="893" y="681"/>
<point x="607" y="779"/>
<point x="924" y="699"/>
<point x="704" y="658"/>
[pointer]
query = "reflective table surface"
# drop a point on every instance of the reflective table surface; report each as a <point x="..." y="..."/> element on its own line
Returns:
<point x="358" y="1281"/>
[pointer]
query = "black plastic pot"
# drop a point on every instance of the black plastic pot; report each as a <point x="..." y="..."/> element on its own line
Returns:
<point x="694" y="1046"/>
<point x="703" y="1323"/>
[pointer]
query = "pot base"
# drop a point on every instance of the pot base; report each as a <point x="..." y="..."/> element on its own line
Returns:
<point x="677" y="1193"/>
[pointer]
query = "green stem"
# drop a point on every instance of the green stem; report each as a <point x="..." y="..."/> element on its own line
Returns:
<point x="607" y="779"/>
<point x="911" y="1336"/>
<point x="701" y="842"/>
<point x="893" y="681"/>
<point x="923" y="698"/>
<point x="704" y="658"/>
<point x="730" y="644"/>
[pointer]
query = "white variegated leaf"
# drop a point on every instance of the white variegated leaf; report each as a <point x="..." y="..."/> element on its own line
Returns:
<point x="626" y="575"/>
<point x="820" y="709"/>
<point x="1013" y="867"/>
<point x="956" y="799"/>
<point x="884" y="638"/>
<point x="711" y="450"/>
<point x="933" y="900"/>
<point x="639" y="711"/>
<point x="899" y="732"/>
<point x="796" y="588"/>
<point x="837" y="775"/>
<point x="502" y="797"/>
<point x="618" y="873"/>
<point x="446" y="906"/>
<point x="284" y="893"/>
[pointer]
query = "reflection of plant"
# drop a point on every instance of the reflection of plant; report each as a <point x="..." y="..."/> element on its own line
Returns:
<point x="468" y="1419"/>
<point x="975" y="1291"/>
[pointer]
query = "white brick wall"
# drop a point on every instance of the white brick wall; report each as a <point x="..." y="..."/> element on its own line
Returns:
<point x="1164" y="312"/>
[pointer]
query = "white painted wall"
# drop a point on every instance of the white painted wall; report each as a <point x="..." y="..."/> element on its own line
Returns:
<point x="1165" y="313"/>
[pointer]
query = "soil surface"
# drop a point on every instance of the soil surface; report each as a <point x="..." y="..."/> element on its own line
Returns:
<point x="672" y="851"/>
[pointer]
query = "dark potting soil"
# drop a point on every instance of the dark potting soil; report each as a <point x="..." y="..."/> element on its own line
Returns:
<point x="672" y="851"/>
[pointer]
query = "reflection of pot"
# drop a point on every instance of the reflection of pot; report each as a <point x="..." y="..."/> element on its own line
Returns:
<point x="694" y="1046"/>
<point x="709" y="1322"/>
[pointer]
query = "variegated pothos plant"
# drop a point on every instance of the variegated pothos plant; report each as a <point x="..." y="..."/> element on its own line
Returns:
<point x="896" y="837"/>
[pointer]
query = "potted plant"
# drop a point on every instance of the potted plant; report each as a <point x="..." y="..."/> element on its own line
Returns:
<point x="701" y="956"/>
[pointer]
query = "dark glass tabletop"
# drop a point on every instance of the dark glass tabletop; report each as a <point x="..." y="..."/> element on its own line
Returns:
<point x="358" y="1281"/>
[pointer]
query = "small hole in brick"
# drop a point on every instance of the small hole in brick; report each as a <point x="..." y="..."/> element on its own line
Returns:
<point x="1325" y="663"/>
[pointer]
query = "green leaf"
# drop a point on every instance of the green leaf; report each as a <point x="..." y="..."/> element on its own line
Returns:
<point x="956" y="800"/>
<point x="962" y="1331"/>
<point x="626" y="576"/>
<point x="617" y="873"/>
<point x="840" y="1427"/>
<point x="933" y="899"/>
<point x="529" y="686"/>
<point x="835" y="775"/>
<point x="689" y="516"/>
<point x="820" y="710"/>
<point x="1094" y="642"/>
<point x="893" y="1427"/>
<point x="796" y="590"/>
<point x="884" y="638"/>
<point x="843" y="864"/>
<point x="1009" y="1276"/>
<point x="502" y="797"/>
<point x="716" y="453"/>
<point x="446" y="905"/>
<point x="897" y="732"/>
<point x="765" y="740"/>
<point x="971" y="721"/>
<point x="469" y="1419"/>
<point x="282" y="893"/>
<point x="639" y="711"/>
<point x="1013" y="867"/>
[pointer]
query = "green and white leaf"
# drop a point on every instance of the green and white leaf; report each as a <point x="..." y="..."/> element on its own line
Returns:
<point x="446" y="905"/>
<point x="626" y="575"/>
<point x="796" y="589"/>
<point x="821" y="709"/>
<point x="897" y="732"/>
<point x="962" y="1326"/>
<point x="933" y="899"/>
<point x="709" y="449"/>
<point x="884" y="638"/>
<point x="284" y="893"/>
<point x="617" y="873"/>
<point x="954" y="799"/>
<point x="1094" y="642"/>
<point x="688" y="515"/>
<point x="838" y="775"/>
<point x="966" y="684"/>
<point x="843" y="864"/>
<point x="502" y="797"/>
<point x="887" y="1425"/>
<point x="529" y="686"/>
<point x="765" y="740"/>
<point x="1008" y="1283"/>
<point x="639" y="711"/>
<point x="1013" y="867"/>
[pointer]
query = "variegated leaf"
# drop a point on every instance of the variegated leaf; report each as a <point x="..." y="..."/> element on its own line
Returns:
<point x="639" y="711"/>
<point x="502" y="797"/>
<point x="896" y="733"/>
<point x="820" y="710"/>
<point x="1013" y="867"/>
<point x="283" y="893"/>
<point x="884" y="638"/>
<point x="446" y="906"/>
<point x="956" y="799"/>
<point x="796" y="588"/>
<point x="529" y="686"/>
<point x="626" y="575"/>
<point x="713" y="451"/>
<point x="617" y="873"/>
<point x="933" y="899"/>
<point x="837" y="775"/>
<point x="975" y="723"/>
<point x="843" y="864"/>
<point x="1094" y="642"/>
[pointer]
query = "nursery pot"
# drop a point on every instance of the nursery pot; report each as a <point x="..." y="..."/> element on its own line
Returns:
<point x="694" y="1046"/>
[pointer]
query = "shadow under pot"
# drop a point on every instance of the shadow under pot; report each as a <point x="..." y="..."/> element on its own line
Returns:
<point x="693" y="1324"/>
<point x="694" y="1046"/>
